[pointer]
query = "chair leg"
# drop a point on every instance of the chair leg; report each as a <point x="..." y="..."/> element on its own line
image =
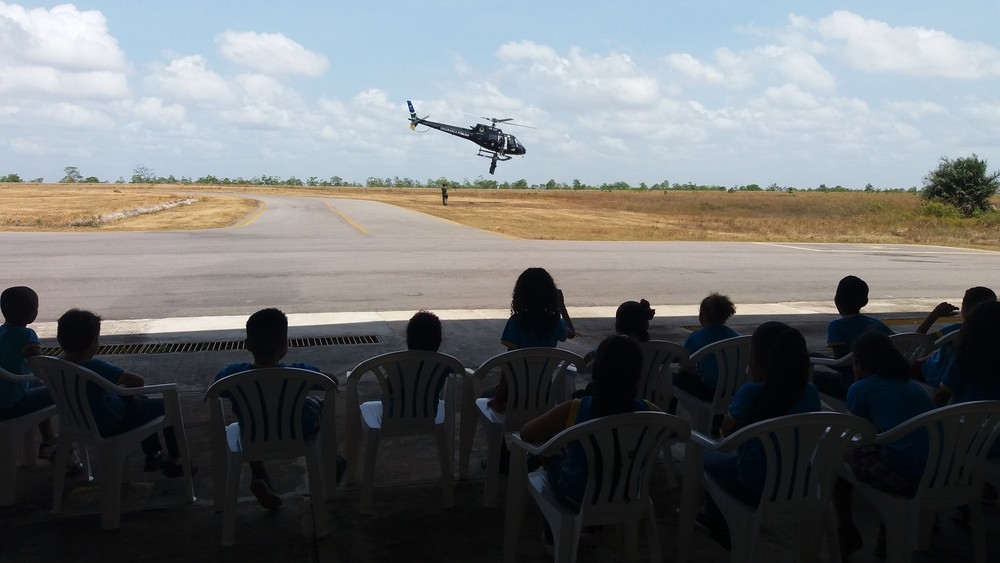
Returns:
<point x="653" y="535"/>
<point x="566" y="537"/>
<point x="112" y="469"/>
<point x="8" y="470"/>
<point x="318" y="500"/>
<point x="630" y="541"/>
<point x="368" y="480"/>
<point x="897" y="545"/>
<point x="832" y="535"/>
<point x="494" y="436"/>
<point x="233" y="466"/>
<point x="445" y="455"/>
<point x="28" y="449"/>
<point x="467" y="428"/>
<point x="59" y="477"/>
<point x="977" y="526"/>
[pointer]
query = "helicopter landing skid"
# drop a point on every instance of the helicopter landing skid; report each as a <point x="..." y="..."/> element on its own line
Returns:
<point x="494" y="158"/>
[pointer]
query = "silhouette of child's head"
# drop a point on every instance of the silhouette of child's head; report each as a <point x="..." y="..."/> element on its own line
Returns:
<point x="267" y="335"/>
<point x="616" y="371"/>
<point x="715" y="310"/>
<point x="535" y="291"/>
<point x="874" y="354"/>
<point x="977" y="346"/>
<point x="851" y="296"/>
<point x="778" y="353"/>
<point x="976" y="296"/>
<point x="632" y="319"/>
<point x="423" y="332"/>
<point x="19" y="305"/>
<point x="78" y="331"/>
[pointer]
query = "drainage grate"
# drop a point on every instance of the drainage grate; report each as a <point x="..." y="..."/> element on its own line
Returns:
<point x="217" y="346"/>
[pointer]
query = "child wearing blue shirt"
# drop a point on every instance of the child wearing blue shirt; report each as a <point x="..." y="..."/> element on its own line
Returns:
<point x="267" y="340"/>
<point x="78" y="332"/>
<point x="700" y="380"/>
<point x="851" y="297"/>
<point x="933" y="368"/>
<point x="884" y="394"/>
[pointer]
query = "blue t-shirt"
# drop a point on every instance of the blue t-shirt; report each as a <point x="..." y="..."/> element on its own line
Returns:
<point x="708" y="368"/>
<point x="845" y="330"/>
<point x="887" y="402"/>
<point x="107" y="408"/>
<point x="963" y="391"/>
<point x="942" y="360"/>
<point x="14" y="340"/>
<point x="515" y="335"/>
<point x="573" y="471"/>
<point x="750" y="462"/>
<point x="310" y="417"/>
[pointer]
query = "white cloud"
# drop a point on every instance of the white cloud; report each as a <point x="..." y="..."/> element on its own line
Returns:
<point x="916" y="109"/>
<point x="270" y="53"/>
<point x="875" y="46"/>
<point x="579" y="78"/>
<point x="164" y="116"/>
<point x="60" y="53"/>
<point x="189" y="79"/>
<point x="741" y="70"/>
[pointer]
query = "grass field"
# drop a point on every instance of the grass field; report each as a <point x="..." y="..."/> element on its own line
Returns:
<point x="535" y="214"/>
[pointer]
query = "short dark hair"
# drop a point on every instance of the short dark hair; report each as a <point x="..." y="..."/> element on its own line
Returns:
<point x="852" y="294"/>
<point x="716" y="308"/>
<point x="632" y="319"/>
<point x="977" y="296"/>
<point x="267" y="332"/>
<point x="423" y="332"/>
<point x="77" y="329"/>
<point x="18" y="303"/>
<point x="876" y="354"/>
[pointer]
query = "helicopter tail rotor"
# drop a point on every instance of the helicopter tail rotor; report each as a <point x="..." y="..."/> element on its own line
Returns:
<point x="414" y="120"/>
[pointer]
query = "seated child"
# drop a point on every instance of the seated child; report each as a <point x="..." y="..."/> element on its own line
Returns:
<point x="18" y="343"/>
<point x="423" y="332"/>
<point x="267" y="341"/>
<point x="78" y="332"/>
<point x="934" y="367"/>
<point x="779" y="369"/>
<point x="701" y="380"/>
<point x="631" y="319"/>
<point x="851" y="297"/>
<point x="884" y="394"/>
<point x="616" y="373"/>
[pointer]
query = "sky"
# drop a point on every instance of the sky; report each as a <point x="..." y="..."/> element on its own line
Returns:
<point x="722" y="92"/>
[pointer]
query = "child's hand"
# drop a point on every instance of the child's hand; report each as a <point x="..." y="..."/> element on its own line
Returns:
<point x="944" y="309"/>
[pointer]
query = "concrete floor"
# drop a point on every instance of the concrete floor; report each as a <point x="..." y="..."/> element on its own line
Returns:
<point x="409" y="522"/>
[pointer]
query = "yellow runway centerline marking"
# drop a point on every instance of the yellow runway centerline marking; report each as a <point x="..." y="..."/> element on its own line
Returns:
<point x="345" y="218"/>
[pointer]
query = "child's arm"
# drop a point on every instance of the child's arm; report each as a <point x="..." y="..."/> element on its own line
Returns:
<point x="839" y="350"/>
<point x="943" y="309"/>
<point x="730" y="425"/>
<point x="32" y="350"/>
<point x="129" y="379"/>
<point x="570" y="331"/>
<point x="547" y="425"/>
<point x="941" y="396"/>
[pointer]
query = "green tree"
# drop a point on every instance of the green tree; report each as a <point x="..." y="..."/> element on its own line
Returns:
<point x="72" y="175"/>
<point x="13" y="178"/>
<point x="143" y="175"/>
<point x="963" y="183"/>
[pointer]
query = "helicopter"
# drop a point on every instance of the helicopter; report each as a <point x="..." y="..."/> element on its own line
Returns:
<point x="493" y="143"/>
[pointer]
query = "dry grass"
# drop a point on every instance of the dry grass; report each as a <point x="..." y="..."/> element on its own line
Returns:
<point x="534" y="214"/>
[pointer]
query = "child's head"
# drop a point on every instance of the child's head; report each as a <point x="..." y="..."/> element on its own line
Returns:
<point x="632" y="319"/>
<point x="534" y="291"/>
<point x="778" y="354"/>
<point x="977" y="345"/>
<point x="423" y="332"/>
<point x="19" y="305"/>
<point x="79" y="332"/>
<point x="267" y="336"/>
<point x="851" y="296"/>
<point x="874" y="354"/>
<point x="715" y="310"/>
<point x="616" y="371"/>
<point x="976" y="296"/>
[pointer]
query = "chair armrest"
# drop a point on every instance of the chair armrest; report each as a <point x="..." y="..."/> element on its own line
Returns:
<point x="17" y="377"/>
<point x="704" y="441"/>
<point x="533" y="449"/>
<point x="830" y="362"/>
<point x="159" y="388"/>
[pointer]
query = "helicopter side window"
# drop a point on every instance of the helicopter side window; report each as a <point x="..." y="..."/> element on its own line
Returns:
<point x="479" y="128"/>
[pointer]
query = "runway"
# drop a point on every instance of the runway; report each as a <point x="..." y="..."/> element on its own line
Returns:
<point x="325" y="255"/>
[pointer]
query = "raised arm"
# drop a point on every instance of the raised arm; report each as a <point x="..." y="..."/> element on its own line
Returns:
<point x="943" y="309"/>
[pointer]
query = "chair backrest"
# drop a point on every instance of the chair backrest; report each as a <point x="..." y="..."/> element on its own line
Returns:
<point x="732" y="356"/>
<point x="412" y="382"/>
<point x="536" y="380"/>
<point x="912" y="345"/>
<point x="958" y="438"/>
<point x="621" y="451"/>
<point x="802" y="453"/>
<point x="270" y="403"/>
<point x="946" y="339"/>
<point x="655" y="381"/>
<point x="67" y="383"/>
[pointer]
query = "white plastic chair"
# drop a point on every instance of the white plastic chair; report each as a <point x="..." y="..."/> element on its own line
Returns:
<point x="67" y="382"/>
<point x="801" y="454"/>
<point x="270" y="402"/>
<point x="621" y="451"/>
<point x="18" y="434"/>
<point x="659" y="361"/>
<point x="732" y="356"/>
<point x="417" y="397"/>
<point x="945" y="340"/>
<point x="959" y="437"/>
<point x="912" y="345"/>
<point x="536" y="381"/>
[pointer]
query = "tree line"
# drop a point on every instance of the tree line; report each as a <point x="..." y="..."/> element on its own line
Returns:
<point x="959" y="187"/>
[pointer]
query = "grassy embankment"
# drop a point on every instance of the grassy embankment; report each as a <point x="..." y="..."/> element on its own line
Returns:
<point x="894" y="218"/>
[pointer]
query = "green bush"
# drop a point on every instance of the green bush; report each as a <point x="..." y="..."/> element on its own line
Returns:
<point x="964" y="183"/>
<point x="940" y="209"/>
